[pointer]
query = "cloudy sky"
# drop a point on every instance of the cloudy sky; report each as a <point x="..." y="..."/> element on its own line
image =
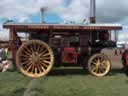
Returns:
<point x="58" y="11"/>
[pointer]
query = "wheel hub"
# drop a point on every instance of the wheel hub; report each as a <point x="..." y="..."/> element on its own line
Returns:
<point x="98" y="63"/>
<point x="35" y="58"/>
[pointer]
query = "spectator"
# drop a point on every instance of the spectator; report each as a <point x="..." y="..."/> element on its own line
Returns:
<point x="5" y="65"/>
<point x="3" y="60"/>
<point x="3" y="54"/>
<point x="0" y="64"/>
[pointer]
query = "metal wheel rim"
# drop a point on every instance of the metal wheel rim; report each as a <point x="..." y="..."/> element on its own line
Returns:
<point x="99" y="65"/>
<point x="34" y="58"/>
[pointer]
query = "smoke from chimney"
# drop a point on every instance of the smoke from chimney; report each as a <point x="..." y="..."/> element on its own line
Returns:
<point x="92" y="11"/>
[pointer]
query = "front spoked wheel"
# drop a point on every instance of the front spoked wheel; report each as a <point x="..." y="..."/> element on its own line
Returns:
<point x="99" y="65"/>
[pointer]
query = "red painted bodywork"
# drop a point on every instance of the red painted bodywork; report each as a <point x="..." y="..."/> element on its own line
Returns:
<point x="126" y="57"/>
<point x="69" y="55"/>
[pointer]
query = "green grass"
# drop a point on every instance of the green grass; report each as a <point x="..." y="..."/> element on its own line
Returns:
<point x="12" y="83"/>
<point x="64" y="82"/>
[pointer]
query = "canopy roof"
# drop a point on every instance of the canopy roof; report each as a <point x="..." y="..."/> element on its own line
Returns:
<point x="27" y="26"/>
<point x="3" y="42"/>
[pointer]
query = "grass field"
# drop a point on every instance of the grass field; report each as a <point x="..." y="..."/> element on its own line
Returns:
<point x="64" y="82"/>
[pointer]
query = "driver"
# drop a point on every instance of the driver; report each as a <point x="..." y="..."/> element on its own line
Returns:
<point x="104" y="36"/>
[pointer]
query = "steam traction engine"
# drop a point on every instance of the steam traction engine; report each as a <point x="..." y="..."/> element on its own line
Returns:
<point x="61" y="44"/>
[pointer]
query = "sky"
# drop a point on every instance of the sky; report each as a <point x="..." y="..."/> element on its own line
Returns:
<point x="60" y="11"/>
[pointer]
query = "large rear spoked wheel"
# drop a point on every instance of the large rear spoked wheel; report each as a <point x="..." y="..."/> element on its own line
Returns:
<point x="99" y="65"/>
<point x="34" y="58"/>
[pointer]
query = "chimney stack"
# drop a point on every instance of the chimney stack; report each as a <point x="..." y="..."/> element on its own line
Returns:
<point x="42" y="10"/>
<point x="92" y="11"/>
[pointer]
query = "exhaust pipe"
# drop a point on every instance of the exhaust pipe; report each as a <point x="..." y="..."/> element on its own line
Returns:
<point x="42" y="10"/>
<point x="92" y="11"/>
